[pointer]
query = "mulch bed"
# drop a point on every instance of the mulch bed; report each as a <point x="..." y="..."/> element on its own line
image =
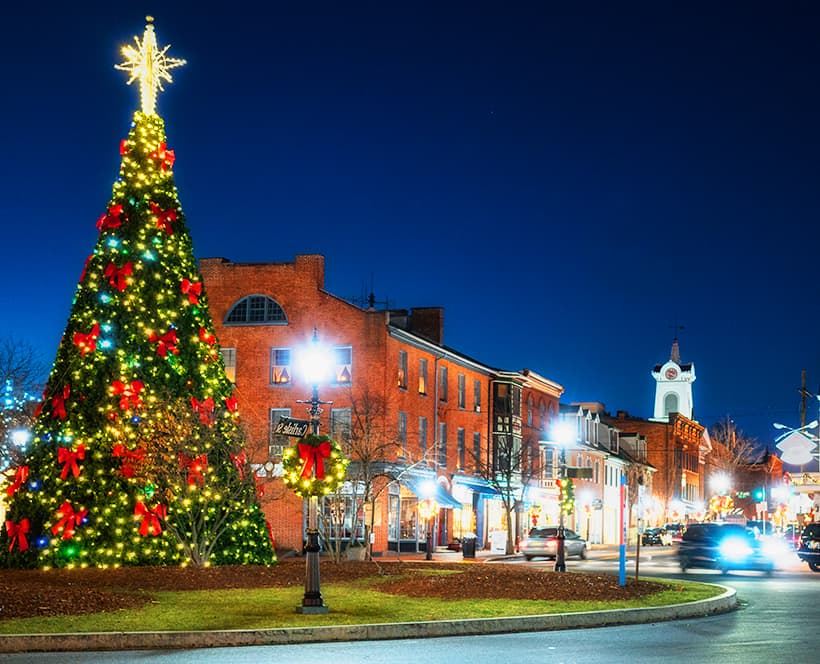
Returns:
<point x="27" y="593"/>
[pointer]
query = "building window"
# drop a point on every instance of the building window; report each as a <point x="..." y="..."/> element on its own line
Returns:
<point x="423" y="437"/>
<point x="442" y="383"/>
<point x="597" y="471"/>
<point x="403" y="432"/>
<point x="280" y="370"/>
<point x="530" y="409"/>
<point x="477" y="451"/>
<point x="277" y="443"/>
<point x="402" y="378"/>
<point x="442" y="445"/>
<point x="460" y="439"/>
<point x="422" y="376"/>
<point x="256" y="310"/>
<point x="477" y="396"/>
<point x="549" y="463"/>
<point x="340" y="421"/>
<point x="344" y="365"/>
<point x="462" y="391"/>
<point x="229" y="359"/>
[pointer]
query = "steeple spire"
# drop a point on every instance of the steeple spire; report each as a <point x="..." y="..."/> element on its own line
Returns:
<point x="674" y="356"/>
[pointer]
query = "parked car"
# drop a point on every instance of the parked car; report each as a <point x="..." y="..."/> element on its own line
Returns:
<point x="809" y="550"/>
<point x="656" y="536"/>
<point x="675" y="530"/>
<point x="791" y="536"/>
<point x="543" y="542"/>
<point x="724" y="546"/>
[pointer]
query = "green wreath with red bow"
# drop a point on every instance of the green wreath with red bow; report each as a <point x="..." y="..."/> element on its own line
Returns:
<point x="314" y="466"/>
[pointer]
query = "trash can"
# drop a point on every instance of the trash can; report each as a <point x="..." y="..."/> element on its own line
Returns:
<point x="468" y="545"/>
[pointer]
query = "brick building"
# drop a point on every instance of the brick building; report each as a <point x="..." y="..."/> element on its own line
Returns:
<point x="678" y="450"/>
<point x="433" y="407"/>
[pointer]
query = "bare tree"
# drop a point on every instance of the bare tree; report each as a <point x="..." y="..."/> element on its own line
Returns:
<point x="22" y="375"/>
<point x="732" y="451"/>
<point x="508" y="467"/>
<point x="196" y="468"/>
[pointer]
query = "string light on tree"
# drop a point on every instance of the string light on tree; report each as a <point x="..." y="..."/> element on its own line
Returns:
<point x="135" y="451"/>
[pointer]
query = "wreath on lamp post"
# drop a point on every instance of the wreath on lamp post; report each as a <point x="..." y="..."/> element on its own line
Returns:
<point x="314" y="466"/>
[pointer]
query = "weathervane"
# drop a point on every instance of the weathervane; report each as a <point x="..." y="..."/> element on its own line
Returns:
<point x="149" y="64"/>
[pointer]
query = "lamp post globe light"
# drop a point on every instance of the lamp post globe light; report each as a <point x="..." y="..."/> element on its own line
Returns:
<point x="428" y="508"/>
<point x="314" y="364"/>
<point x="564" y="436"/>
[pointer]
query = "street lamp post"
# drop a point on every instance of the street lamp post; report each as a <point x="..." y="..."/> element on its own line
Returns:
<point x="560" y="560"/>
<point x="427" y="511"/>
<point x="315" y="367"/>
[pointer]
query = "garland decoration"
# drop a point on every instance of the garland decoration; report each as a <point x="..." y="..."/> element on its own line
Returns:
<point x="314" y="466"/>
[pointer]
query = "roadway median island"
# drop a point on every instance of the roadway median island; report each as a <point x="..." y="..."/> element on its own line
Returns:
<point x="144" y="607"/>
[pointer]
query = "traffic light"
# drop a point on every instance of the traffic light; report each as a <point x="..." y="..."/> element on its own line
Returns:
<point x="759" y="495"/>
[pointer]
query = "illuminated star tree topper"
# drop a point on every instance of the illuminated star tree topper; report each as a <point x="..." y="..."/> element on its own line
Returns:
<point x="150" y="65"/>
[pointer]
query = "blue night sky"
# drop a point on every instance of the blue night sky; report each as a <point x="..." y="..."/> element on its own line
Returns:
<point x="567" y="179"/>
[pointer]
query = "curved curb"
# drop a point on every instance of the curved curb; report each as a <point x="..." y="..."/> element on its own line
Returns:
<point x="295" y="635"/>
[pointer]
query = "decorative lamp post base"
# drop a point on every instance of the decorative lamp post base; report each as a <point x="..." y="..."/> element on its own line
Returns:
<point x="312" y="601"/>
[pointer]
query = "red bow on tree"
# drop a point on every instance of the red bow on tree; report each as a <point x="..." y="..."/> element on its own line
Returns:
<point x="150" y="518"/>
<point x="195" y="467"/>
<point x="314" y="455"/>
<point x="193" y="289"/>
<point x="68" y="520"/>
<point x="164" y="217"/>
<point x="20" y="477"/>
<point x="58" y="402"/>
<point x="124" y="146"/>
<point x="69" y="460"/>
<point x="239" y="460"/>
<point x="85" y="267"/>
<point x="118" y="277"/>
<point x="205" y="408"/>
<point x="167" y="343"/>
<point x="129" y="458"/>
<point x="111" y="218"/>
<point x="17" y="534"/>
<point x="129" y="394"/>
<point x="165" y="156"/>
<point x="206" y="337"/>
<point x="87" y="343"/>
<point x="231" y="404"/>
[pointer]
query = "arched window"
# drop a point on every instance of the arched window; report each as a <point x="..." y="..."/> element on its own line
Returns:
<point x="670" y="403"/>
<point x="256" y="310"/>
<point x="530" y="407"/>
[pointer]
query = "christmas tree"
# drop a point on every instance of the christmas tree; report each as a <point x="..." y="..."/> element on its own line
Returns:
<point x="137" y="452"/>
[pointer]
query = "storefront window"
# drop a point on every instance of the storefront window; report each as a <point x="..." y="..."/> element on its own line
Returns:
<point x="393" y="518"/>
<point x="409" y="519"/>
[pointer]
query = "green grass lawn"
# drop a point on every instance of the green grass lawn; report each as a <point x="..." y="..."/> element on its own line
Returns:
<point x="349" y="604"/>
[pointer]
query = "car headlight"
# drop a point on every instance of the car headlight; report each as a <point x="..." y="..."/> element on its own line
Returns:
<point x="735" y="548"/>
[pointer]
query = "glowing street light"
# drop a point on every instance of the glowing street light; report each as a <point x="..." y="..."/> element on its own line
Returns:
<point x="428" y="508"/>
<point x="314" y="364"/>
<point x="564" y="435"/>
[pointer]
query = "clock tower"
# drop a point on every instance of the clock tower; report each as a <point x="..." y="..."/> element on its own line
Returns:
<point x="673" y="387"/>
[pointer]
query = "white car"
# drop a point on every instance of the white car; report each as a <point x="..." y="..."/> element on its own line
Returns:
<point x="542" y="541"/>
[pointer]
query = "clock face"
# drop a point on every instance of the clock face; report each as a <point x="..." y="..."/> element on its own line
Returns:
<point x="671" y="373"/>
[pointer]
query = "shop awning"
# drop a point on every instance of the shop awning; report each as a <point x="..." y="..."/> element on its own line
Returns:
<point x="476" y="484"/>
<point x="443" y="497"/>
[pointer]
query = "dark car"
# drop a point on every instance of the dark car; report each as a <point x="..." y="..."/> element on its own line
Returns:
<point x="676" y="530"/>
<point x="724" y="546"/>
<point x="543" y="541"/>
<point x="656" y="536"/>
<point x="809" y="550"/>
